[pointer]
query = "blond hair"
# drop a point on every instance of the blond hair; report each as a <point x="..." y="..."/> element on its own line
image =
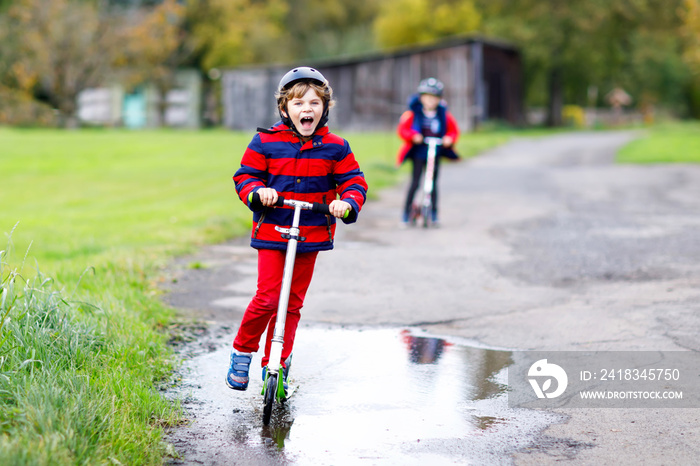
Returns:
<point x="298" y="90"/>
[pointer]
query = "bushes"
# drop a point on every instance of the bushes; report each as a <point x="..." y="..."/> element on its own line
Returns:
<point x="20" y="109"/>
<point x="573" y="115"/>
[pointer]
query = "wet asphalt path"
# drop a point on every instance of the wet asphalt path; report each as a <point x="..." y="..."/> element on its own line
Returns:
<point x="545" y="244"/>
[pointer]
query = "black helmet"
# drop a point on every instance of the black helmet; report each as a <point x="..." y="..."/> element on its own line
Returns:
<point x="303" y="73"/>
<point x="431" y="86"/>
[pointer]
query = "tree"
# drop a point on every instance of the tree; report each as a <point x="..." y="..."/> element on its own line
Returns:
<point x="54" y="50"/>
<point x="402" y="22"/>
<point x="329" y="28"/>
<point x="51" y="51"/>
<point x="226" y="33"/>
<point x="154" y="48"/>
<point x="690" y="31"/>
<point x="557" y="39"/>
<point x="572" y="45"/>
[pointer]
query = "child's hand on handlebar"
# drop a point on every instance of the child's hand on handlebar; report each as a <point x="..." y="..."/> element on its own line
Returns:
<point x="268" y="196"/>
<point x="339" y="208"/>
<point x="447" y="141"/>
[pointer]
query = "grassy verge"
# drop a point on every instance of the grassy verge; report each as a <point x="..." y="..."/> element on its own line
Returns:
<point x="665" y="143"/>
<point x="97" y="216"/>
<point x="73" y="388"/>
<point x="83" y="352"/>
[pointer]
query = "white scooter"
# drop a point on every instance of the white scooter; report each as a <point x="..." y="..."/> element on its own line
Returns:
<point x="273" y="386"/>
<point x="423" y="206"/>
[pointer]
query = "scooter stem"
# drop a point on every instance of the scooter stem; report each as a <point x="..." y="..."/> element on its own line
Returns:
<point x="429" y="180"/>
<point x="278" y="336"/>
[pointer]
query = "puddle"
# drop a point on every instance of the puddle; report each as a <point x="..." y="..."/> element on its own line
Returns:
<point x="380" y="396"/>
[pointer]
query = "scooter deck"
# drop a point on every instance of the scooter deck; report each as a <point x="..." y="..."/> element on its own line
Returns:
<point x="290" y="391"/>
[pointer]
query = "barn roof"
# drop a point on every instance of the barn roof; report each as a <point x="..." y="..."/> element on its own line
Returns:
<point x="413" y="49"/>
<point x="394" y="52"/>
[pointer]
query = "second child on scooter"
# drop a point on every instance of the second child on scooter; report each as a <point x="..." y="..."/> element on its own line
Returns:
<point x="427" y="116"/>
<point x="297" y="158"/>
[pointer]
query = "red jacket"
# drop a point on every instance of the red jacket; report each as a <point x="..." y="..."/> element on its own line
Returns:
<point x="318" y="170"/>
<point x="406" y="131"/>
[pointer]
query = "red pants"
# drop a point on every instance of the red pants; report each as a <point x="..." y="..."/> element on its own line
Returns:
<point x="261" y="313"/>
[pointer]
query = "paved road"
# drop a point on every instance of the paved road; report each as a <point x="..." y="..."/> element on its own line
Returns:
<point x="545" y="244"/>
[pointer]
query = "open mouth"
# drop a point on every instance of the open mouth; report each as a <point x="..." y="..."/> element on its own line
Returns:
<point x="306" y="122"/>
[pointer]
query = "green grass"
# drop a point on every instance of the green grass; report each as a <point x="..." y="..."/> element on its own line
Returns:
<point x="103" y="211"/>
<point x="98" y="214"/>
<point x="677" y="142"/>
<point x="87" y="193"/>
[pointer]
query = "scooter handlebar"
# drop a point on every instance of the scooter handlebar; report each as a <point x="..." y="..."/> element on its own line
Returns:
<point x="256" y="205"/>
<point x="321" y="208"/>
<point x="432" y="140"/>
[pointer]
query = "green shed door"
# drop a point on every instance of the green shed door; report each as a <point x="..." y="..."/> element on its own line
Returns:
<point x="135" y="110"/>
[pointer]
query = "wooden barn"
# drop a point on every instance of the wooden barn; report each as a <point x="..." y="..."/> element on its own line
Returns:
<point x="482" y="82"/>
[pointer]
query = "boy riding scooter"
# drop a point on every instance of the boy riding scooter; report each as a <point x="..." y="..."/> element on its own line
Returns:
<point x="426" y="117"/>
<point x="297" y="158"/>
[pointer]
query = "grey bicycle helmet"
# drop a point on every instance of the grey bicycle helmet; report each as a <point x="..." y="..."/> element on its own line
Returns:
<point x="303" y="73"/>
<point x="431" y="86"/>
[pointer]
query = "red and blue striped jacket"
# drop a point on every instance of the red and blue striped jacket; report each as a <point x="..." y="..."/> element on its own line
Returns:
<point x="319" y="170"/>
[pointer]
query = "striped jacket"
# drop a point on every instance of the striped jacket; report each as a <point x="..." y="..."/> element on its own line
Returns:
<point x="410" y="124"/>
<point x="319" y="170"/>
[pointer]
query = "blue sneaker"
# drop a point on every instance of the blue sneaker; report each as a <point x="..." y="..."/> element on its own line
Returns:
<point x="237" y="377"/>
<point x="435" y="220"/>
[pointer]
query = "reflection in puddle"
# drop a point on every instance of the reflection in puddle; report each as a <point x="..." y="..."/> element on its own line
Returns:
<point x="423" y="350"/>
<point x="387" y="396"/>
<point x="477" y="377"/>
<point x="278" y="430"/>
